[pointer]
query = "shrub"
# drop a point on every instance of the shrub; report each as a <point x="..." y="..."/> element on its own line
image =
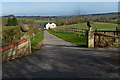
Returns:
<point x="12" y="34"/>
<point x="12" y="21"/>
<point x="9" y="22"/>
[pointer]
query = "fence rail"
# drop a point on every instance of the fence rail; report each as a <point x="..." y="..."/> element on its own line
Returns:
<point x="106" y="40"/>
<point x="111" y="31"/>
<point x="74" y="30"/>
<point x="13" y="45"/>
<point x="16" y="50"/>
<point x="104" y="34"/>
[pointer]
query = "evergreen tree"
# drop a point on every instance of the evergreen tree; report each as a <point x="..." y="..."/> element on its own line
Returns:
<point x="12" y="21"/>
<point x="9" y="22"/>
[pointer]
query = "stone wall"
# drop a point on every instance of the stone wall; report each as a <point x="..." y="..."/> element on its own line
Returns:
<point x="106" y="40"/>
<point x="16" y="50"/>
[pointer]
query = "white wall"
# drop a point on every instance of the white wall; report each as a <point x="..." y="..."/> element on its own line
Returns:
<point x="52" y="25"/>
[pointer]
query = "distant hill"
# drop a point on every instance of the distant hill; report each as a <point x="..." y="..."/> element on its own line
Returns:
<point x="113" y="15"/>
<point x="105" y="13"/>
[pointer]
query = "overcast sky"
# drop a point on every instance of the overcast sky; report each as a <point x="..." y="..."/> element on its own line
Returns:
<point x="56" y="8"/>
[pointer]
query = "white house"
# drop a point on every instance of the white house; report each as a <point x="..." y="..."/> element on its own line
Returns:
<point x="52" y="25"/>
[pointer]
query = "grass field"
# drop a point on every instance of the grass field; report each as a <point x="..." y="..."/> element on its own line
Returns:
<point x="80" y="39"/>
<point x="44" y="21"/>
<point x="98" y="25"/>
<point x="37" y="39"/>
<point x="101" y="16"/>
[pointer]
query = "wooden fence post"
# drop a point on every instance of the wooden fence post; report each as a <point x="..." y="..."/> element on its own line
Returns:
<point x="90" y="35"/>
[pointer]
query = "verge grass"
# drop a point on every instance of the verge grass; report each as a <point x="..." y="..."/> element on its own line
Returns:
<point x="36" y="40"/>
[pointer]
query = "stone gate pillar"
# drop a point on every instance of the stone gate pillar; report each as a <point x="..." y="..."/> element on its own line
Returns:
<point x="25" y="28"/>
<point x="90" y="35"/>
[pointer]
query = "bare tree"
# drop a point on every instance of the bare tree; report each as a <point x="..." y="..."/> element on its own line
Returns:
<point x="77" y="11"/>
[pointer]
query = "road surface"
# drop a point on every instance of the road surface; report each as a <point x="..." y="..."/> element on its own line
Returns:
<point x="61" y="59"/>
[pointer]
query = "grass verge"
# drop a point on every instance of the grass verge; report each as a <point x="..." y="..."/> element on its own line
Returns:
<point x="71" y="37"/>
<point x="36" y="41"/>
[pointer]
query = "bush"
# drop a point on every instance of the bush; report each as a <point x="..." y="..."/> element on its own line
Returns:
<point x="12" y="21"/>
<point x="9" y="22"/>
<point x="12" y="34"/>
